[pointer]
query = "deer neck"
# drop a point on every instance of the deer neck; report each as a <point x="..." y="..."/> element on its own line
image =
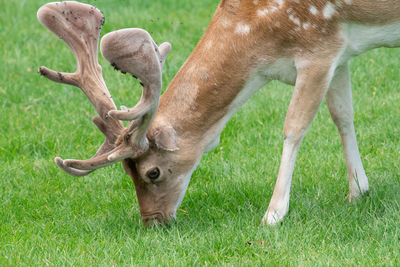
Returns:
<point x="205" y="92"/>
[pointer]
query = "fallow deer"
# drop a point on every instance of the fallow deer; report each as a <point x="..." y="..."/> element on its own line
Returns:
<point x="248" y="43"/>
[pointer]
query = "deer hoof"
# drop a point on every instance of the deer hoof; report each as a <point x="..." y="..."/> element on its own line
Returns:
<point x="273" y="216"/>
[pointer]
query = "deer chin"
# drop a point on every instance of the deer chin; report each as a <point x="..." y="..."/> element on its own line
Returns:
<point x="157" y="218"/>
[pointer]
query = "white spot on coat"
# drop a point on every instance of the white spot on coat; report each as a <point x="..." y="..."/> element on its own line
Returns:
<point x="329" y="10"/>
<point x="262" y="12"/>
<point x="313" y="10"/>
<point x="279" y="2"/>
<point x="349" y="2"/>
<point x="295" y="20"/>
<point x="242" y="28"/>
<point x="306" y="25"/>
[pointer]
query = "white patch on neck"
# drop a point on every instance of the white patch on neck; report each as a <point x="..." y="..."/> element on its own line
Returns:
<point x="184" y="182"/>
<point x="242" y="28"/>
<point x="329" y="10"/>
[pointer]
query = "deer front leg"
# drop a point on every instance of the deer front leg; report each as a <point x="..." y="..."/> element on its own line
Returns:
<point x="311" y="86"/>
<point x="339" y="100"/>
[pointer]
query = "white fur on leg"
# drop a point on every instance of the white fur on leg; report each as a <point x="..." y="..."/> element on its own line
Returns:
<point x="279" y="205"/>
<point x="339" y="100"/>
<point x="358" y="181"/>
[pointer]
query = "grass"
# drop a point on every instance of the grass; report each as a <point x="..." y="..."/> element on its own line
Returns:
<point x="50" y="218"/>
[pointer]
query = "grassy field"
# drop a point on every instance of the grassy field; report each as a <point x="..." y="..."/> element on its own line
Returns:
<point x="50" y="218"/>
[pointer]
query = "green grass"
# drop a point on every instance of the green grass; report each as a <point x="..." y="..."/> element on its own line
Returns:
<point x="50" y="218"/>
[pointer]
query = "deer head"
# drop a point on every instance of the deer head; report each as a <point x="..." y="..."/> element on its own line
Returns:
<point x="147" y="154"/>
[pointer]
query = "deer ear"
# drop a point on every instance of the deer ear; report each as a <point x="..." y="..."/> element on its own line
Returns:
<point x="165" y="138"/>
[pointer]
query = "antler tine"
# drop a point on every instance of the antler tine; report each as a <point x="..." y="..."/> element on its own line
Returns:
<point x="79" y="25"/>
<point x="135" y="52"/>
<point x="105" y="147"/>
<point x="69" y="170"/>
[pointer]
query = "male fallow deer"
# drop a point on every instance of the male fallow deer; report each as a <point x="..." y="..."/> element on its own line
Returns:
<point x="247" y="44"/>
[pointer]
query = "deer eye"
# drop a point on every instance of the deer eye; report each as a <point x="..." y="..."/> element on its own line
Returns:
<point x="153" y="173"/>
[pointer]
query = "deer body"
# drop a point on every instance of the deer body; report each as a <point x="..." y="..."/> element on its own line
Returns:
<point x="248" y="43"/>
<point x="216" y="86"/>
<point x="308" y="44"/>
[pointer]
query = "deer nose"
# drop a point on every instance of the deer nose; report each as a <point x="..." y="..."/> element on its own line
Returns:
<point x="157" y="218"/>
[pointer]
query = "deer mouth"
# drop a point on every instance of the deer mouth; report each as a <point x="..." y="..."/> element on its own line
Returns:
<point x="156" y="218"/>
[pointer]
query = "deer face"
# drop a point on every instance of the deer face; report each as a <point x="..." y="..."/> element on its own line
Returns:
<point x="161" y="179"/>
<point x="162" y="174"/>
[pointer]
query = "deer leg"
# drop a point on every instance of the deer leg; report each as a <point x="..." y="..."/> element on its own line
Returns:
<point x="311" y="86"/>
<point x="339" y="100"/>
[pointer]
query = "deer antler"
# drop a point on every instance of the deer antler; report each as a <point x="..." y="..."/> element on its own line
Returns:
<point x="135" y="52"/>
<point x="79" y="25"/>
<point x="130" y="50"/>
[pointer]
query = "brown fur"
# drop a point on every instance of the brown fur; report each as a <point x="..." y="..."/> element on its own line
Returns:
<point x="242" y="36"/>
<point x="203" y="89"/>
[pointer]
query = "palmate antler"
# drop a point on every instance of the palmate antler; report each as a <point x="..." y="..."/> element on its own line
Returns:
<point x="130" y="50"/>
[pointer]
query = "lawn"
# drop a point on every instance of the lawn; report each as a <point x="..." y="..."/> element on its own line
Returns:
<point x="50" y="218"/>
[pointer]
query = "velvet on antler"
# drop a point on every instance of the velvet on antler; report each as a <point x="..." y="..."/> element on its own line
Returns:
<point x="130" y="50"/>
